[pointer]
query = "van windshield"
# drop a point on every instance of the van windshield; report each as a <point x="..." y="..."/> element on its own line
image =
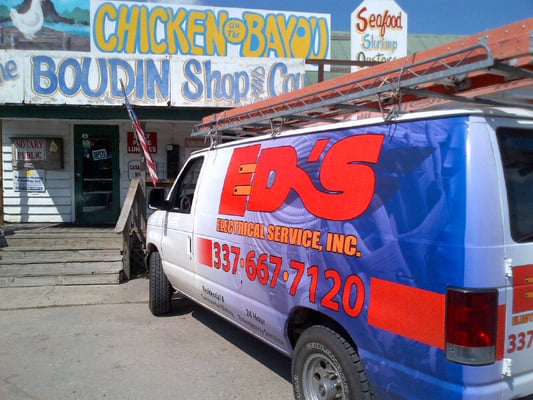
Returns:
<point x="516" y="148"/>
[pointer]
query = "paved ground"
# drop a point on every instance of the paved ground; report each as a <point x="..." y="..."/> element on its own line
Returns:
<point x="101" y="342"/>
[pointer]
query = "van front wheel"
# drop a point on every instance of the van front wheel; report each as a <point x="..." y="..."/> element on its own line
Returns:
<point x="325" y="367"/>
<point x="160" y="292"/>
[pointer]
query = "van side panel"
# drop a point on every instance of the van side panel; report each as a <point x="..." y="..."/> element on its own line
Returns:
<point x="421" y="254"/>
<point x="365" y="225"/>
<point x="223" y="260"/>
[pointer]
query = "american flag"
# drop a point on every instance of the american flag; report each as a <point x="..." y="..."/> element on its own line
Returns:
<point x="141" y="138"/>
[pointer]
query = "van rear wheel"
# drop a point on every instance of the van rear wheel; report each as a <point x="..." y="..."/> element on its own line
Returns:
<point x="160" y="292"/>
<point x="325" y="366"/>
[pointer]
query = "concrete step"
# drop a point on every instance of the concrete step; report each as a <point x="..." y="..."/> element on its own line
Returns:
<point x="62" y="243"/>
<point x="27" y="256"/>
<point x="52" y="254"/>
<point x="90" y="274"/>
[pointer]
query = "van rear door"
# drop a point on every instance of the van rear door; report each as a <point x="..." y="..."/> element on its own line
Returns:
<point x="516" y="151"/>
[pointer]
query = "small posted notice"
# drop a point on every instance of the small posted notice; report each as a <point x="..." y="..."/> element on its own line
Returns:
<point x="28" y="180"/>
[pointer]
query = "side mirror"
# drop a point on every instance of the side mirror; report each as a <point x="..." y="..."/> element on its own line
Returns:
<point x="156" y="199"/>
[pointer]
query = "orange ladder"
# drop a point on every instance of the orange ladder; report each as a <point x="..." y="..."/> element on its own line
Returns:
<point x="491" y="68"/>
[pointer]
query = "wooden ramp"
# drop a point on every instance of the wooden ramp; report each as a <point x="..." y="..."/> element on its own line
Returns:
<point x="59" y="254"/>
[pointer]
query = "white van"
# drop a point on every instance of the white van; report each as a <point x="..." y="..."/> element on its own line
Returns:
<point x="390" y="260"/>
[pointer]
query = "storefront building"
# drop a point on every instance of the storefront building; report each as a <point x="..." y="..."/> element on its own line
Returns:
<point x="68" y="148"/>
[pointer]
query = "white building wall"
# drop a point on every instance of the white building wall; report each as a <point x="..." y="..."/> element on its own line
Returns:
<point x="55" y="204"/>
<point x="167" y="133"/>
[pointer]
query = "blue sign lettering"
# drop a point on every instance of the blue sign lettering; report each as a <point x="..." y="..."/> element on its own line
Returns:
<point x="146" y="79"/>
<point x="231" y="87"/>
<point x="8" y="72"/>
<point x="204" y="83"/>
<point x="289" y="81"/>
<point x="194" y="88"/>
<point x="369" y="43"/>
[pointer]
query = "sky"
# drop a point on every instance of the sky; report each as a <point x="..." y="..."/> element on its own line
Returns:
<point x="462" y="17"/>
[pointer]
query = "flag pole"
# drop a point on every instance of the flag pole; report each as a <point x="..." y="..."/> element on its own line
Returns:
<point x="146" y="158"/>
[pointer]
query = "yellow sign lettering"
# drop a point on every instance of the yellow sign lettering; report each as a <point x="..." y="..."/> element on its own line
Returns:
<point x="201" y="31"/>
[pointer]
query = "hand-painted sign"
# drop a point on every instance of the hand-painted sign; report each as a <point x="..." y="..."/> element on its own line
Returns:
<point x="378" y="31"/>
<point x="214" y="57"/>
<point x="164" y="29"/>
<point x="78" y="79"/>
<point x="11" y="73"/>
<point x="75" y="78"/>
<point x="226" y="82"/>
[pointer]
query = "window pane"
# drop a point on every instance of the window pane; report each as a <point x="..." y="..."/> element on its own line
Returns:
<point x="184" y="192"/>
<point x="516" y="148"/>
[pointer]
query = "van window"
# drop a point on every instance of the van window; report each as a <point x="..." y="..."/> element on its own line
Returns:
<point x="183" y="193"/>
<point x="516" y="148"/>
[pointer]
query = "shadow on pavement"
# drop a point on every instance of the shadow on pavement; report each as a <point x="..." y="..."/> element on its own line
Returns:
<point x="266" y="355"/>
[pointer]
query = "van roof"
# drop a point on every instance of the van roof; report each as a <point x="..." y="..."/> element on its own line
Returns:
<point x="493" y="112"/>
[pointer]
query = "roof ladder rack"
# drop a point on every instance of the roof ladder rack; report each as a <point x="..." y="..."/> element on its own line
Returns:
<point x="488" y="68"/>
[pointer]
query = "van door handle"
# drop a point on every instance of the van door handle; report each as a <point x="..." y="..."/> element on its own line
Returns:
<point x="189" y="245"/>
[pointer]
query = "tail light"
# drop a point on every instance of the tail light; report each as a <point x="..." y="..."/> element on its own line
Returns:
<point x="471" y="326"/>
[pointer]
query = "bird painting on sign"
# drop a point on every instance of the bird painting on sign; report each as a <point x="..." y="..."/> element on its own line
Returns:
<point x="30" y="22"/>
<point x="44" y="25"/>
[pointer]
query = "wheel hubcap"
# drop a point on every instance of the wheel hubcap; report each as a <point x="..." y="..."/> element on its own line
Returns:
<point x="321" y="380"/>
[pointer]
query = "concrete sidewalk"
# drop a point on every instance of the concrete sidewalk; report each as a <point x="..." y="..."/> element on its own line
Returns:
<point x="102" y="342"/>
<point x="133" y="291"/>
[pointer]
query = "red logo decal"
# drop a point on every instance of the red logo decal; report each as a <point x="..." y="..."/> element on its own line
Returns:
<point x="261" y="180"/>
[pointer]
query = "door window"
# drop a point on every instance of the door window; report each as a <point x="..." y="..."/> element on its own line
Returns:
<point x="516" y="148"/>
<point x="183" y="193"/>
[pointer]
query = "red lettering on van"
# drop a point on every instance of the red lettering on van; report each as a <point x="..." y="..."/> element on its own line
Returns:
<point x="261" y="180"/>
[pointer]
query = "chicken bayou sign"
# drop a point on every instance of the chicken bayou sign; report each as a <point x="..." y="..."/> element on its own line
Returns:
<point x="182" y="55"/>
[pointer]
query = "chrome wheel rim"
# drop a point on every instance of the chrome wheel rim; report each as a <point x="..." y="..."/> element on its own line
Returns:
<point x="321" y="379"/>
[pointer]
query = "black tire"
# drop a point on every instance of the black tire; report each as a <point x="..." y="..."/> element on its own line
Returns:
<point x="160" y="293"/>
<point x="325" y="366"/>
